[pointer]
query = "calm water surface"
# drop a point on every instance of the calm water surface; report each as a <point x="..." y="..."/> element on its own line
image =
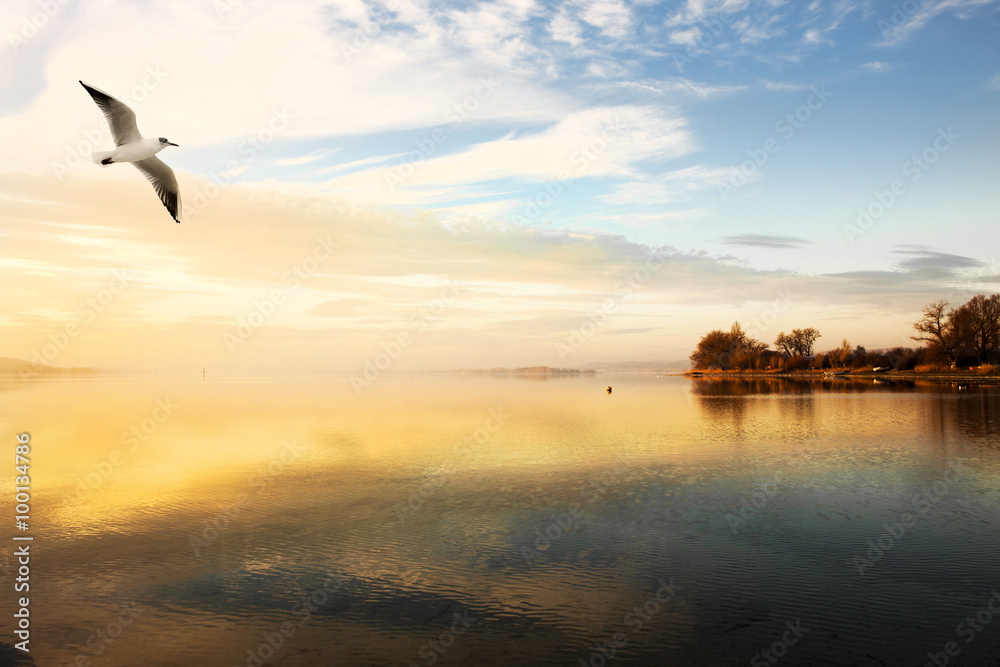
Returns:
<point x="476" y="520"/>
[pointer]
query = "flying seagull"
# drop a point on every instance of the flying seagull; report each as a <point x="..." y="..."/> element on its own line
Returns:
<point x="131" y="147"/>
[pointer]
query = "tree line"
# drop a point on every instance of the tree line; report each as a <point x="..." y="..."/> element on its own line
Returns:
<point x="952" y="337"/>
<point x="970" y="331"/>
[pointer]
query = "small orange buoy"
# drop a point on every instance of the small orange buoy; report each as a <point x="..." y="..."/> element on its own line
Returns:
<point x="609" y="389"/>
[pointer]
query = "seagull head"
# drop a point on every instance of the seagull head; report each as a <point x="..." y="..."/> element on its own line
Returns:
<point x="165" y="143"/>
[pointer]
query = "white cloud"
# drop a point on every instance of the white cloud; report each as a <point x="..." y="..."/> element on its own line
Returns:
<point x="785" y="86"/>
<point x="671" y="188"/>
<point x="687" y="37"/>
<point x="356" y="165"/>
<point x="812" y="36"/>
<point x="564" y="29"/>
<point x="305" y="159"/>
<point x="607" y="141"/>
<point x="898" y="26"/>
<point x="334" y="78"/>
<point x="697" y="10"/>
<point x="612" y="17"/>
<point x="759" y="31"/>
<point x="878" y="67"/>
<point x="606" y="69"/>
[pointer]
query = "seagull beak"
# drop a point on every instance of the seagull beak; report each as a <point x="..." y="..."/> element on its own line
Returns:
<point x="170" y="143"/>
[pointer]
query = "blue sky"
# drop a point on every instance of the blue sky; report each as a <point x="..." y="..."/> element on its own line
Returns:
<point x="730" y="73"/>
<point x="742" y="137"/>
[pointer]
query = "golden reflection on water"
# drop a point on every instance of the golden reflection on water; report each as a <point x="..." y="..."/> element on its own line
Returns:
<point x="104" y="438"/>
<point x="421" y="493"/>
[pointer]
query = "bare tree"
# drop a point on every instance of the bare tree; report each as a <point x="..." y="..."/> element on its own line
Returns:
<point x="785" y="343"/>
<point x="799" y="342"/>
<point x="973" y="328"/>
<point x="804" y="340"/>
<point x="979" y="320"/>
<point x="937" y="329"/>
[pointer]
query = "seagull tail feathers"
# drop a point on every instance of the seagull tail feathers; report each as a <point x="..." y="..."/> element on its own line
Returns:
<point x="99" y="156"/>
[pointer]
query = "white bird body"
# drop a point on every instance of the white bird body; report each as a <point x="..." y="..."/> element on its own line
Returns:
<point x="131" y="152"/>
<point x="130" y="146"/>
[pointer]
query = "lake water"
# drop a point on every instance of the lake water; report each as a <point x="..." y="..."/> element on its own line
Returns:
<point x="474" y="520"/>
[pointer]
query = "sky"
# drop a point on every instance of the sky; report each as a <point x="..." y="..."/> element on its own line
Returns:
<point x="408" y="185"/>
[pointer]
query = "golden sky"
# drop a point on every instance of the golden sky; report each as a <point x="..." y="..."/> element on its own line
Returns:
<point x="515" y="183"/>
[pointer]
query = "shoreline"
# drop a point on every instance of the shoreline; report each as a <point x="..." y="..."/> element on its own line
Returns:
<point x="957" y="377"/>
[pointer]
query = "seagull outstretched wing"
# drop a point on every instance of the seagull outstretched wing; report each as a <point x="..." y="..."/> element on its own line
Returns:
<point x="164" y="182"/>
<point x="120" y="118"/>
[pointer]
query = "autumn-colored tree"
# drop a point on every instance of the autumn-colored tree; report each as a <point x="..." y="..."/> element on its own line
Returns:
<point x="785" y="343"/>
<point x="726" y="350"/>
<point x="938" y="329"/>
<point x="984" y="325"/>
<point x="714" y="350"/>
<point x="971" y="329"/>
<point x="843" y="353"/>
<point x="799" y="342"/>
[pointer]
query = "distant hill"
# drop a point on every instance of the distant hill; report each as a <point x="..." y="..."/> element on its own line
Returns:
<point x="639" y="366"/>
<point x="527" y="370"/>
<point x="11" y="366"/>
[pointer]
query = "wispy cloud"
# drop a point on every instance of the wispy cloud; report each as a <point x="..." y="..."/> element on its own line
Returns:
<point x="607" y="141"/>
<point x="305" y="159"/>
<point x="765" y="241"/>
<point x="563" y="28"/>
<point x="612" y="17"/>
<point x="878" y="67"/>
<point x="898" y="25"/>
<point x="186" y="295"/>
<point x="672" y="187"/>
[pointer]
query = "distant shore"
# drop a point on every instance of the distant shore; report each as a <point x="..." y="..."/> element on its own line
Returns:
<point x="528" y="370"/>
<point x="26" y="369"/>
<point x="954" y="376"/>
